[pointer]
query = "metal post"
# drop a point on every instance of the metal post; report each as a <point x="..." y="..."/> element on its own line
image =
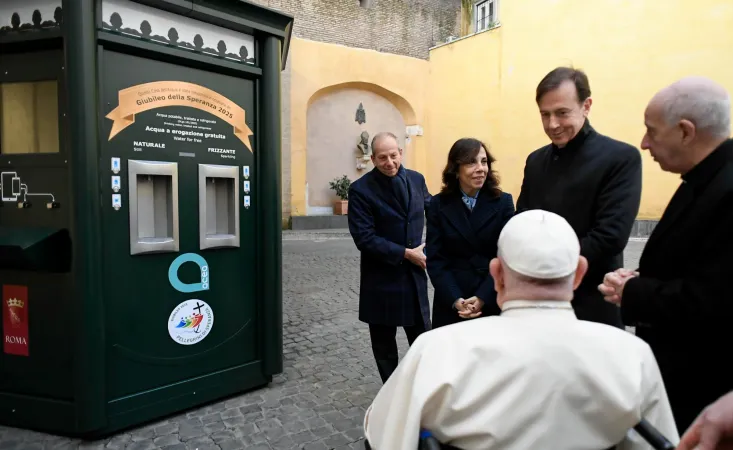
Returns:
<point x="88" y="312"/>
<point x="269" y="157"/>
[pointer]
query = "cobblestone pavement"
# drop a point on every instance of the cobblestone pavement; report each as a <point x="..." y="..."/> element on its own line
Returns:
<point x="328" y="381"/>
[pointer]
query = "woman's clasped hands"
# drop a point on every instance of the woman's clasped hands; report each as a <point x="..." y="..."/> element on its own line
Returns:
<point x="469" y="308"/>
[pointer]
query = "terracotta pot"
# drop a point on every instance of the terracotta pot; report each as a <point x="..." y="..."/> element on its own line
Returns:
<point x="340" y="207"/>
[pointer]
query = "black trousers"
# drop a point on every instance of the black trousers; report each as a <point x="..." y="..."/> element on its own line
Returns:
<point x="384" y="345"/>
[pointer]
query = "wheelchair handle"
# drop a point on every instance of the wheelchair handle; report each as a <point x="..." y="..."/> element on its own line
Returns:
<point x="653" y="436"/>
<point x="650" y="434"/>
<point x="429" y="442"/>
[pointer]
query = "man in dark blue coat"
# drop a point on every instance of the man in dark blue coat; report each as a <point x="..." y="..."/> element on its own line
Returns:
<point x="386" y="220"/>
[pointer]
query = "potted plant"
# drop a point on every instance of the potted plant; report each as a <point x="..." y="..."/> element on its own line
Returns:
<point x="341" y="186"/>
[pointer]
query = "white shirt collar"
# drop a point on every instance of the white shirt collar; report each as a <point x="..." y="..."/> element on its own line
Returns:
<point x="533" y="307"/>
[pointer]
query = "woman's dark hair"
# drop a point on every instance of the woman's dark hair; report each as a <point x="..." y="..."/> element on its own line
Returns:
<point x="464" y="151"/>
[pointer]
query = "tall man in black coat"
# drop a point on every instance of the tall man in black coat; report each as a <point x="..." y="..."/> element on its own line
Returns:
<point x="591" y="180"/>
<point x="680" y="297"/>
<point x="386" y="220"/>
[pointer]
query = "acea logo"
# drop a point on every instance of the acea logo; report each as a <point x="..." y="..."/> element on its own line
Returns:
<point x="203" y="285"/>
<point x="191" y="321"/>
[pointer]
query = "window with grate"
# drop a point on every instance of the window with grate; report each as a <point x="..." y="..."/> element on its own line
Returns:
<point x="486" y="14"/>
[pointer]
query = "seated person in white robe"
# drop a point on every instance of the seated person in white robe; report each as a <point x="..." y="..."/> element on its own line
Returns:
<point x="534" y="377"/>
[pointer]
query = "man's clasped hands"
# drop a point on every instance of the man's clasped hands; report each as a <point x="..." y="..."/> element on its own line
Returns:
<point x="613" y="284"/>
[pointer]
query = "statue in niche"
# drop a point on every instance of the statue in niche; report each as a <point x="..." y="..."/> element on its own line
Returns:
<point x="366" y="151"/>
<point x="360" y="114"/>
<point x="363" y="144"/>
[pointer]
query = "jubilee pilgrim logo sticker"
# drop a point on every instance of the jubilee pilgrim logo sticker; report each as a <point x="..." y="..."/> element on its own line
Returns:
<point x="190" y="322"/>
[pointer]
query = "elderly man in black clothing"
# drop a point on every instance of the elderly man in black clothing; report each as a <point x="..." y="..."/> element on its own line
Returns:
<point x="591" y="180"/>
<point x="680" y="298"/>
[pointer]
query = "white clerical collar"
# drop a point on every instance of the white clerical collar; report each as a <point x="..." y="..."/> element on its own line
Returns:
<point x="514" y="307"/>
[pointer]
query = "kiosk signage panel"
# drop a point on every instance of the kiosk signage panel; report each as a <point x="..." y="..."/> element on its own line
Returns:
<point x="182" y="135"/>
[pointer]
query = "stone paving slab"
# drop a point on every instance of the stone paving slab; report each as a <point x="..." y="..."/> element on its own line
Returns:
<point x="329" y="377"/>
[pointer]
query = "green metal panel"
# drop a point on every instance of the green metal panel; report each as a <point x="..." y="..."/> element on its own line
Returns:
<point x="270" y="149"/>
<point x="140" y="298"/>
<point x="35" y="256"/>
<point x="88" y="309"/>
<point x="102" y="317"/>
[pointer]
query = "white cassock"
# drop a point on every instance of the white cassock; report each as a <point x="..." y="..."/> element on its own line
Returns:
<point x="534" y="377"/>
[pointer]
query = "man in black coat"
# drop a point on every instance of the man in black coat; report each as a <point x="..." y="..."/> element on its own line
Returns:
<point x="386" y="220"/>
<point x="591" y="180"/>
<point x="680" y="297"/>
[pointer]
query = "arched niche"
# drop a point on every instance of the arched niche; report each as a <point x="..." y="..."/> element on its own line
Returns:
<point x="333" y="133"/>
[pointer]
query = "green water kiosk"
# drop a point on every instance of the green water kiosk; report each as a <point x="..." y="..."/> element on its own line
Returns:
<point x="140" y="219"/>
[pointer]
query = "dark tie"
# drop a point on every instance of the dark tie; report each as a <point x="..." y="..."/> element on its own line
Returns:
<point x="400" y="190"/>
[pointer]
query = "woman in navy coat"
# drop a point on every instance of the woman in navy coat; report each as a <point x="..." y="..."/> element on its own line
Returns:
<point x="463" y="225"/>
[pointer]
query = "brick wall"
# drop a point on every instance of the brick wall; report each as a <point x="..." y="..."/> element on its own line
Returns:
<point x="403" y="27"/>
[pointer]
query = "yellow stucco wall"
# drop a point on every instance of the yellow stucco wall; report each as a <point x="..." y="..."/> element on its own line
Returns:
<point x="484" y="85"/>
<point x="317" y="68"/>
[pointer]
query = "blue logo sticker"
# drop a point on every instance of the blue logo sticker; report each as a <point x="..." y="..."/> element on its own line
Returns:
<point x="193" y="287"/>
